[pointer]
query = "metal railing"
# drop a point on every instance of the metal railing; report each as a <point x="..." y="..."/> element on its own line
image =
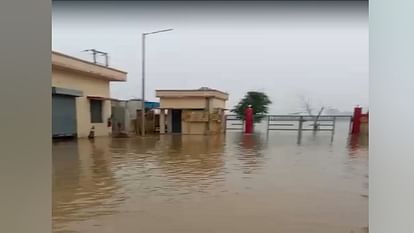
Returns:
<point x="298" y="123"/>
<point x="236" y="123"/>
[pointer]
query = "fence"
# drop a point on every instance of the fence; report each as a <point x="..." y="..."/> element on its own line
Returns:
<point x="292" y="123"/>
<point x="298" y="123"/>
<point x="236" y="123"/>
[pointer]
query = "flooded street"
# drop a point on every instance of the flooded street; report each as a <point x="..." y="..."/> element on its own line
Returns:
<point x="212" y="184"/>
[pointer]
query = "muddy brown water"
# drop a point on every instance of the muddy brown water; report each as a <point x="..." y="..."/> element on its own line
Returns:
<point x="219" y="184"/>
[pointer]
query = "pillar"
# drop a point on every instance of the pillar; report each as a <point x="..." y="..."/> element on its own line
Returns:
<point x="248" y="119"/>
<point x="169" y="121"/>
<point x="162" y="121"/>
<point x="356" y="122"/>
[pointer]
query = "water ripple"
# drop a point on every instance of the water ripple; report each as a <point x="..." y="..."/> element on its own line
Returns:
<point x="139" y="177"/>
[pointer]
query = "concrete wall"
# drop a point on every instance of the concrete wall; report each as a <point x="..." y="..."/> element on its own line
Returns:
<point x="183" y="103"/>
<point x="218" y="103"/>
<point x="191" y="103"/>
<point x="364" y="124"/>
<point x="201" y="127"/>
<point x="89" y="86"/>
<point x="217" y="106"/>
<point x="207" y="127"/>
<point x="192" y="127"/>
<point x="364" y="129"/>
<point x="120" y="113"/>
<point x="217" y="126"/>
<point x="132" y="107"/>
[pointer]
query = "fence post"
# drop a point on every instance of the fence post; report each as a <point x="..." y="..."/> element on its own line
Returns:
<point x="333" y="128"/>
<point x="300" y="129"/>
<point x="268" y="122"/>
<point x="225" y="124"/>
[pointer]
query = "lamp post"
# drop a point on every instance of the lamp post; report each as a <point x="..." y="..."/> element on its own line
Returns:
<point x="143" y="77"/>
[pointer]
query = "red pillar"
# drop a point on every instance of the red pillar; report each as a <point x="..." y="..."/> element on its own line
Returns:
<point x="356" y="124"/>
<point x="248" y="119"/>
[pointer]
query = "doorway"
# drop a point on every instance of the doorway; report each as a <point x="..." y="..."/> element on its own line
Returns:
<point x="176" y="120"/>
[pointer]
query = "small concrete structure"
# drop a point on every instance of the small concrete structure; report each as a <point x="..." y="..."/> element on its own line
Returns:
<point x="124" y="114"/>
<point x="199" y="111"/>
<point x="81" y="96"/>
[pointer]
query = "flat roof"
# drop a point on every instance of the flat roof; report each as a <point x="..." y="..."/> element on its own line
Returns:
<point x="190" y="90"/>
<point x="66" y="62"/>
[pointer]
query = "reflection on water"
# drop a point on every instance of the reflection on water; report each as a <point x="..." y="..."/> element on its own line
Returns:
<point x="82" y="185"/>
<point x="250" y="152"/>
<point x="357" y="143"/>
<point x="223" y="183"/>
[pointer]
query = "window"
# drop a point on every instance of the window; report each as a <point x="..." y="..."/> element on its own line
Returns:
<point x="96" y="111"/>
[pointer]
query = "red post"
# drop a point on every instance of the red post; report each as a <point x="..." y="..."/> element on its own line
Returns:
<point x="248" y="119"/>
<point x="356" y="124"/>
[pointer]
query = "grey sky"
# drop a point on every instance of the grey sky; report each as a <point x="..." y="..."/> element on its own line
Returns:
<point x="319" y="50"/>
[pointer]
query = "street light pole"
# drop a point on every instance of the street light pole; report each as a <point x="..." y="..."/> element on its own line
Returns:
<point x="143" y="88"/>
<point x="143" y="78"/>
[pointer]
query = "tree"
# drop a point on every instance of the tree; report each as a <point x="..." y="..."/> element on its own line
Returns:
<point x="307" y="105"/>
<point x="259" y="102"/>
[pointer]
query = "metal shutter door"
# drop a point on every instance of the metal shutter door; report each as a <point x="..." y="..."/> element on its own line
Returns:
<point x="63" y="115"/>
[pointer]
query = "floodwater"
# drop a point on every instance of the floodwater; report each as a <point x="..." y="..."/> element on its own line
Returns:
<point x="212" y="184"/>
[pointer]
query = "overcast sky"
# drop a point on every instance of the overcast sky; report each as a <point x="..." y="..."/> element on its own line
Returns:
<point x="318" y="50"/>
